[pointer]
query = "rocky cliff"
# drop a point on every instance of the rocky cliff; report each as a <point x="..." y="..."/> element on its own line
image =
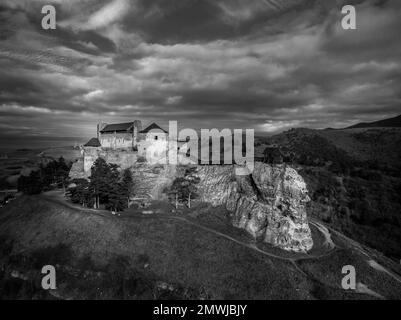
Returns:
<point x="269" y="203"/>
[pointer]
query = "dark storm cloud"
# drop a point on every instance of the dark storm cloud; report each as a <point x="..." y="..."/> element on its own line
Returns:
<point x="187" y="21"/>
<point x="269" y="65"/>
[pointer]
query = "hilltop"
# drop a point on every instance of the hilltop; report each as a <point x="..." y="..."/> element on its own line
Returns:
<point x="374" y="147"/>
<point x="385" y="123"/>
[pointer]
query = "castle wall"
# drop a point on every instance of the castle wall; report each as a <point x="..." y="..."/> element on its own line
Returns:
<point x="90" y="155"/>
<point x="155" y="151"/>
<point x="117" y="140"/>
<point x="117" y="147"/>
<point x="125" y="159"/>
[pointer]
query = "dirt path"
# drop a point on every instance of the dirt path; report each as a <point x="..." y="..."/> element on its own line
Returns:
<point x="372" y="263"/>
<point x="58" y="198"/>
<point x="328" y="242"/>
<point x="380" y="268"/>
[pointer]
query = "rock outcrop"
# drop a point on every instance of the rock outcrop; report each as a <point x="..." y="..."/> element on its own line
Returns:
<point x="269" y="203"/>
<point x="77" y="170"/>
<point x="151" y="181"/>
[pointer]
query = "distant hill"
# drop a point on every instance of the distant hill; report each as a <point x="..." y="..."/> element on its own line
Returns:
<point x="353" y="178"/>
<point x="386" y="123"/>
<point x="373" y="146"/>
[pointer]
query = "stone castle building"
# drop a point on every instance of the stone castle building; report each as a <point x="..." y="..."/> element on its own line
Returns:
<point x="129" y="136"/>
<point x="125" y="144"/>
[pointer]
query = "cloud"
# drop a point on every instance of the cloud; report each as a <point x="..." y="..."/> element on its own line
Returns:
<point x="174" y="100"/>
<point x="103" y="17"/>
<point x="268" y="65"/>
<point x="93" y="95"/>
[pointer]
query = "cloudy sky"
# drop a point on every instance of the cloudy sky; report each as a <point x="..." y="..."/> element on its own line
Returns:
<point x="263" y="64"/>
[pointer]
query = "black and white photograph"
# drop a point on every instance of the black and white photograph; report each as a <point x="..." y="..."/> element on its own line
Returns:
<point x="220" y="152"/>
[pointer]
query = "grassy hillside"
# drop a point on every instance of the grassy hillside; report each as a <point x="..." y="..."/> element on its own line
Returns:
<point x="134" y="256"/>
<point x="389" y="123"/>
<point x="375" y="148"/>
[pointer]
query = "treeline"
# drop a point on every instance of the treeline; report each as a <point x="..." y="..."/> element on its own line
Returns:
<point x="310" y="150"/>
<point x="106" y="187"/>
<point x="53" y="174"/>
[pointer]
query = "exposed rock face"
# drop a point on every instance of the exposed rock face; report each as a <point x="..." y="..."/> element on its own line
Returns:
<point x="269" y="204"/>
<point x="152" y="180"/>
<point x="77" y="170"/>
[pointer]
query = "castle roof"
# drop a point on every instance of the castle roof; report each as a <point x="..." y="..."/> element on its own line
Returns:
<point x="153" y="126"/>
<point x="94" y="142"/>
<point x="117" y="127"/>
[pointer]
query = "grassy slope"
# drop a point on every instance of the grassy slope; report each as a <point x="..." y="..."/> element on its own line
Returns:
<point x="177" y="253"/>
<point x="129" y="257"/>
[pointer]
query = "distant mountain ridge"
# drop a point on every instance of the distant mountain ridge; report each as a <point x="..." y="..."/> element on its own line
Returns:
<point x="391" y="122"/>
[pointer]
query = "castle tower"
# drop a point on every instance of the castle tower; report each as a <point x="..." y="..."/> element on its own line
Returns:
<point x="100" y="126"/>
<point x="137" y="127"/>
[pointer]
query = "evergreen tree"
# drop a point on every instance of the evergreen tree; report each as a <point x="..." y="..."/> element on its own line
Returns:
<point x="115" y="195"/>
<point x="106" y="187"/>
<point x="184" y="189"/>
<point x="127" y="184"/>
<point x="62" y="172"/>
<point x="31" y="184"/>
<point x="54" y="172"/>
<point x="190" y="185"/>
<point x="175" y="192"/>
<point x="99" y="181"/>
<point x="116" y="201"/>
<point x="80" y="192"/>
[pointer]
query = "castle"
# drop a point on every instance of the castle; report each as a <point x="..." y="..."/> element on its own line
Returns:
<point x="125" y="144"/>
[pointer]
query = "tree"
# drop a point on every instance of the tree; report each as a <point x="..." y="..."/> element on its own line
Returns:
<point x="273" y="155"/>
<point x="116" y="200"/>
<point x="184" y="188"/>
<point x="80" y="193"/>
<point x="115" y="197"/>
<point x="31" y="184"/>
<point x="175" y="192"/>
<point x="54" y="172"/>
<point x="107" y="187"/>
<point x="127" y="184"/>
<point x="99" y="181"/>
<point x="62" y="172"/>
<point x="190" y="184"/>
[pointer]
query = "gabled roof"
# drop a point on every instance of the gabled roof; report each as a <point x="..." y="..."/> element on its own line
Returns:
<point x="94" y="142"/>
<point x="117" y="127"/>
<point x="153" y="126"/>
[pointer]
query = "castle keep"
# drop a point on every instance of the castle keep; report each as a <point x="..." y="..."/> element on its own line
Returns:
<point x="119" y="135"/>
